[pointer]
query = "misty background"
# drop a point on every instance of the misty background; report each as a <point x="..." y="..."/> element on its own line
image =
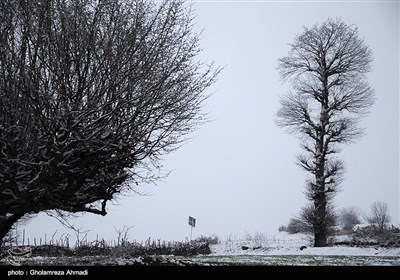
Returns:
<point x="238" y="174"/>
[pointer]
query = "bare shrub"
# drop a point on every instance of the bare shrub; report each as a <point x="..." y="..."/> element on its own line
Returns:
<point x="297" y="226"/>
<point x="379" y="216"/>
<point x="208" y="239"/>
<point x="282" y="228"/>
<point x="306" y="220"/>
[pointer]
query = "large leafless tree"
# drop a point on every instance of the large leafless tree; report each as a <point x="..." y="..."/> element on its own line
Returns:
<point x="92" y="94"/>
<point x="326" y="68"/>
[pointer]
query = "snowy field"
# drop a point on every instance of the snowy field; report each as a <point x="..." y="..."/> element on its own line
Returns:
<point x="289" y="244"/>
<point x="284" y="249"/>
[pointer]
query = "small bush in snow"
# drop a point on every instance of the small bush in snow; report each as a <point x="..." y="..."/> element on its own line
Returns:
<point x="258" y="238"/>
<point x="306" y="221"/>
<point x="282" y="228"/>
<point x="297" y="226"/>
<point x="208" y="239"/>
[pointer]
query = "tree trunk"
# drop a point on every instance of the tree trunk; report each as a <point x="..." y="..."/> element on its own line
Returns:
<point x="320" y="227"/>
<point x="7" y="224"/>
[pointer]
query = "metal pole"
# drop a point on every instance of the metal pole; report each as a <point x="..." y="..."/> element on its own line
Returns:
<point x="191" y="229"/>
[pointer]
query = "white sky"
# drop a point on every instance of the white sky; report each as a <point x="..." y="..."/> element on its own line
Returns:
<point x="238" y="173"/>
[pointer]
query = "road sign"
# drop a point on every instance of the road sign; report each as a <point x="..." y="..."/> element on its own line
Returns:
<point x="192" y="221"/>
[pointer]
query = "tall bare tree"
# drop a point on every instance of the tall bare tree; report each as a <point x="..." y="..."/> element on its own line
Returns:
<point x="326" y="68"/>
<point x="92" y="94"/>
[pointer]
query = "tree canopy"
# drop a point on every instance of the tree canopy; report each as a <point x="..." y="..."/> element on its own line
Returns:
<point x="92" y="94"/>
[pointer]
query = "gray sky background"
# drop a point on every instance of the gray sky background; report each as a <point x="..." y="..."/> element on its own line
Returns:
<point x="238" y="174"/>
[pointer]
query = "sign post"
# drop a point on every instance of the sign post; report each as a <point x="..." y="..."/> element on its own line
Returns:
<point x="192" y="224"/>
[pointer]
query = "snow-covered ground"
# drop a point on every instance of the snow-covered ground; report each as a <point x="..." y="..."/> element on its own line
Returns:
<point x="283" y="243"/>
<point x="284" y="249"/>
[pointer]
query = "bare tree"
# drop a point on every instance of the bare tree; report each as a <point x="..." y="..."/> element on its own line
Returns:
<point x="326" y="67"/>
<point x="379" y="217"/>
<point x="92" y="94"/>
<point x="349" y="217"/>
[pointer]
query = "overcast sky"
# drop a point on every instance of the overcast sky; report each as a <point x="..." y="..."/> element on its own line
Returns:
<point x="238" y="174"/>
